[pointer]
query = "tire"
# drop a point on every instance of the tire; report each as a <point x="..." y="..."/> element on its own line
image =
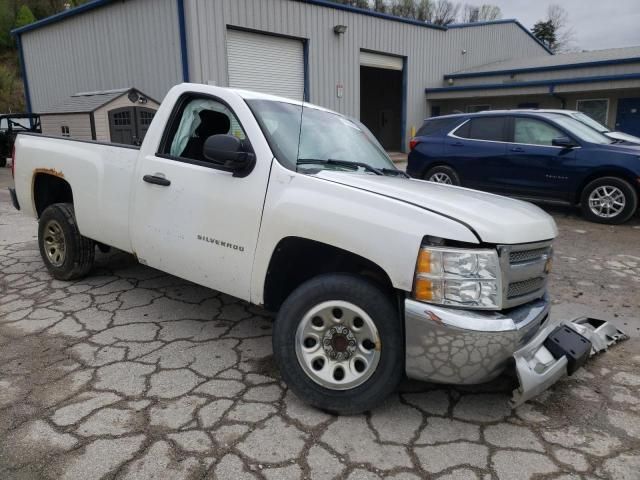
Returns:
<point x="67" y="254"/>
<point x="595" y="193"/>
<point x="442" y="174"/>
<point x="384" y="365"/>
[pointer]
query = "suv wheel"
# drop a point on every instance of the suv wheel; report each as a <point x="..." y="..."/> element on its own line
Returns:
<point x="609" y="200"/>
<point x="67" y="254"/>
<point x="338" y="343"/>
<point x="443" y="174"/>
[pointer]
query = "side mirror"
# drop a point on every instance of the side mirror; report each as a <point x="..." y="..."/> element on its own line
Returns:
<point x="564" y="142"/>
<point x="227" y="153"/>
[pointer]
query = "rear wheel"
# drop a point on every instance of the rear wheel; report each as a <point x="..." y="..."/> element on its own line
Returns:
<point x="67" y="254"/>
<point x="443" y="174"/>
<point x="609" y="200"/>
<point x="338" y="343"/>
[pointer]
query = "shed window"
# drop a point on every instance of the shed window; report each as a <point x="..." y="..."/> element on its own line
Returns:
<point x="122" y="118"/>
<point x="598" y="109"/>
<point x="65" y="131"/>
<point x="146" y="117"/>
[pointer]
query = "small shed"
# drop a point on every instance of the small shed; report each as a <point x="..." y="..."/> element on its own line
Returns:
<point x="119" y="116"/>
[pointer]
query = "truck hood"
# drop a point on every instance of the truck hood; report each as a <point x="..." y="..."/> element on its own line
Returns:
<point x="495" y="219"/>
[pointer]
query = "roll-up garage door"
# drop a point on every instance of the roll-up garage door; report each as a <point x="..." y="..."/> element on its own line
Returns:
<point x="266" y="63"/>
<point x="376" y="60"/>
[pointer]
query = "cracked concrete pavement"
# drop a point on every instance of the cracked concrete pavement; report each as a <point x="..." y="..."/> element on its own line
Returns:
<point x="132" y="373"/>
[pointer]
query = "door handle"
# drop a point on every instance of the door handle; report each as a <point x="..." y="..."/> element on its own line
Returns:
<point x="457" y="144"/>
<point x="156" y="180"/>
<point x="517" y="149"/>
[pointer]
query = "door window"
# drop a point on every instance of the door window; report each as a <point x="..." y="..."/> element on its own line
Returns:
<point x="484" y="128"/>
<point x="534" y="132"/>
<point x="200" y="118"/>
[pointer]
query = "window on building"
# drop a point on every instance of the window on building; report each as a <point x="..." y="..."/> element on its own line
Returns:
<point x="146" y="117"/>
<point x="598" y="109"/>
<point x="485" y="128"/>
<point x="534" y="132"/>
<point x="65" y="131"/>
<point x="478" y="108"/>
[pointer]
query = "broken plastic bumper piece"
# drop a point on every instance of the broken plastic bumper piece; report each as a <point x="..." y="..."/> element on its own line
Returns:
<point x="559" y="349"/>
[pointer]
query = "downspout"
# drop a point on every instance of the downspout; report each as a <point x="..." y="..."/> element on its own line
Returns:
<point x="552" y="92"/>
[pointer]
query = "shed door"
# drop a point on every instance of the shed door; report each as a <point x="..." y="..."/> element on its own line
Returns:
<point x="265" y="63"/>
<point x="122" y="125"/>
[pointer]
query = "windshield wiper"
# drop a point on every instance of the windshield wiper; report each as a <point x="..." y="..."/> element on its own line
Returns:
<point x="396" y="172"/>
<point x="343" y="163"/>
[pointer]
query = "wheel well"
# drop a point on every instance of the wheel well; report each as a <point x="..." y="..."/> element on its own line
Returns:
<point x="627" y="177"/>
<point x="49" y="189"/>
<point x="296" y="260"/>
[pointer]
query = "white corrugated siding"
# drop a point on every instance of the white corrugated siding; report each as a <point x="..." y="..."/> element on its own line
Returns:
<point x="124" y="44"/>
<point x="266" y="63"/>
<point x="368" y="59"/>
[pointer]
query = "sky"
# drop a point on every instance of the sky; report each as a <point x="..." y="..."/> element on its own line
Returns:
<point x="597" y="24"/>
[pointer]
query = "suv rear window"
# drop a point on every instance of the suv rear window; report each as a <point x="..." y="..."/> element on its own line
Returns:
<point x="484" y="128"/>
<point x="435" y="126"/>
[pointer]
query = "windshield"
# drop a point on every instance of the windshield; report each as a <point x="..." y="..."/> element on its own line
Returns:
<point x="324" y="136"/>
<point x="580" y="130"/>
<point x="590" y="122"/>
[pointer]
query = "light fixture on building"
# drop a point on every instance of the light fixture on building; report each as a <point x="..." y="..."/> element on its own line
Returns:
<point x="450" y="81"/>
<point x="339" y="29"/>
<point x="464" y="52"/>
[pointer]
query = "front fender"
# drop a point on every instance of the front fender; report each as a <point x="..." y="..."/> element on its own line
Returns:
<point x="383" y="230"/>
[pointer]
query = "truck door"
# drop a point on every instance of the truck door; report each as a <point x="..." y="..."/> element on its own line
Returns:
<point x="189" y="218"/>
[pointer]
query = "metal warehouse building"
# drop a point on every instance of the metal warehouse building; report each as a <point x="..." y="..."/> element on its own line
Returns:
<point x="372" y="66"/>
<point x="377" y="69"/>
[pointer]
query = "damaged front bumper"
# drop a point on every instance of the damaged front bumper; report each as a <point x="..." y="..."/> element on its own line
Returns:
<point x="455" y="346"/>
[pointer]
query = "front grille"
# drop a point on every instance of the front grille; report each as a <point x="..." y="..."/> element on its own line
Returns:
<point x="524" y="272"/>
<point x="528" y="255"/>
<point x="525" y="287"/>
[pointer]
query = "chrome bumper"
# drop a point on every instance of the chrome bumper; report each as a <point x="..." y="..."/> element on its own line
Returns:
<point x="446" y="345"/>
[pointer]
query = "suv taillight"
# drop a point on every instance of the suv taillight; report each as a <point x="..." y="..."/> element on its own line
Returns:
<point x="413" y="142"/>
<point x="13" y="161"/>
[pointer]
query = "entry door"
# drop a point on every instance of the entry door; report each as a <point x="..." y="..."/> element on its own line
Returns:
<point x="122" y="125"/>
<point x="628" y="119"/>
<point x="144" y="116"/>
<point x="196" y="222"/>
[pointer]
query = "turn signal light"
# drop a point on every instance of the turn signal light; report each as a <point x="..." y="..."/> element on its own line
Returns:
<point x="423" y="289"/>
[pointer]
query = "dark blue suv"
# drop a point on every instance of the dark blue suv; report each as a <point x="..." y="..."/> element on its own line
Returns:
<point x="533" y="155"/>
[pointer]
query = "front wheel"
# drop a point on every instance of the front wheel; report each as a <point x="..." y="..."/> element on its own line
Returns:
<point x="609" y="200"/>
<point x="338" y="343"/>
<point x="67" y="254"/>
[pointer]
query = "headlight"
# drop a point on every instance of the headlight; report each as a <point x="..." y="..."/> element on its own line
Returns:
<point x="458" y="277"/>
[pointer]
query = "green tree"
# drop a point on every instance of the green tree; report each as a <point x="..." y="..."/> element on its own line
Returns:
<point x="545" y="31"/>
<point x="24" y="16"/>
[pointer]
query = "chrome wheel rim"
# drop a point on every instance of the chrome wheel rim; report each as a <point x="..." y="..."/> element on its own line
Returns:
<point x="607" y="201"/>
<point x="440" y="178"/>
<point x="54" y="243"/>
<point x="337" y="345"/>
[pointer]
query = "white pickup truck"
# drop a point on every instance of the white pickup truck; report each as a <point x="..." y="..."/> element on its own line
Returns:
<point x="298" y="209"/>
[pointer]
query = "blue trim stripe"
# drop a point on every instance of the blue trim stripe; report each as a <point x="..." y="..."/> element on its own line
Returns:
<point x="184" y="53"/>
<point x="536" y="83"/>
<point x="371" y="13"/>
<point x="546" y="68"/>
<point x="500" y="22"/>
<point x="305" y="54"/>
<point x="61" y="16"/>
<point x="23" y="73"/>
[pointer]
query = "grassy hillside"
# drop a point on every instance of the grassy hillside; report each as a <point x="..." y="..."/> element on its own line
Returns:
<point x="11" y="88"/>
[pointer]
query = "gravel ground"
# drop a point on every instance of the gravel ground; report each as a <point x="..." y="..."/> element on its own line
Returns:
<point x="131" y="373"/>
